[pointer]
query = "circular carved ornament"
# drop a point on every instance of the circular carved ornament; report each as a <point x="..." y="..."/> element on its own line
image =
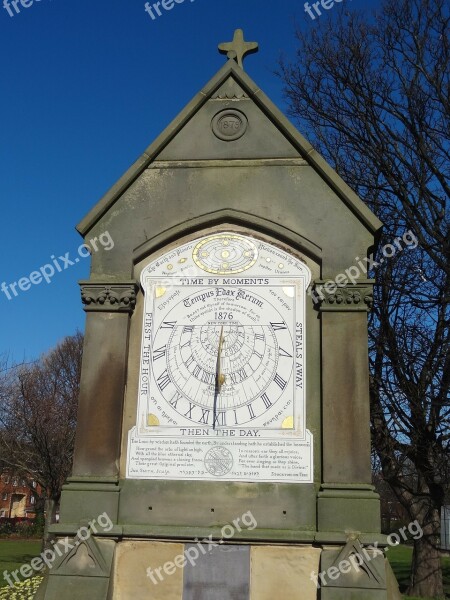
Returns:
<point x="229" y="124"/>
<point x="218" y="461"/>
<point x="225" y="254"/>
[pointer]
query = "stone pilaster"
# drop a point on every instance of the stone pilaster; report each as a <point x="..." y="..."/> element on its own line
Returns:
<point x="97" y="445"/>
<point x="346" y="500"/>
<point x="93" y="487"/>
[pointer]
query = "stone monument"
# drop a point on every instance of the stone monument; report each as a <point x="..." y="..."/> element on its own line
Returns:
<point x="223" y="444"/>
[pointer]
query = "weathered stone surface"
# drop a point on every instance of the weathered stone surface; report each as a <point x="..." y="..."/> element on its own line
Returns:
<point x="393" y="593"/>
<point x="77" y="588"/>
<point x="100" y="404"/>
<point x="345" y="385"/>
<point x="283" y="572"/>
<point x="130" y="579"/>
<point x="352" y="508"/>
<point x="216" y="503"/>
<point x="353" y="566"/>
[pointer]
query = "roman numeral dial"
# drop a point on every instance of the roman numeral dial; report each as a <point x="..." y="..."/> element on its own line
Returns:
<point x="223" y="333"/>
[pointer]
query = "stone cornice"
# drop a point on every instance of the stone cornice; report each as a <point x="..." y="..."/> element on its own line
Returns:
<point x="356" y="297"/>
<point x="109" y="297"/>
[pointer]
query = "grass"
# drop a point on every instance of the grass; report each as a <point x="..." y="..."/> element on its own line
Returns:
<point x="14" y="554"/>
<point x="400" y="559"/>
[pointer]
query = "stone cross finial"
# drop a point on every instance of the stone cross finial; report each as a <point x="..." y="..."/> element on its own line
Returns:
<point x="238" y="48"/>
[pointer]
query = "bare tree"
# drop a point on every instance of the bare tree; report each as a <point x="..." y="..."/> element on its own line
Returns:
<point x="372" y="93"/>
<point x="38" y="417"/>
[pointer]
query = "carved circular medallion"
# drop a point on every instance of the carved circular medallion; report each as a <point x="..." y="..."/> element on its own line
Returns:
<point x="225" y="254"/>
<point x="218" y="461"/>
<point x="229" y="125"/>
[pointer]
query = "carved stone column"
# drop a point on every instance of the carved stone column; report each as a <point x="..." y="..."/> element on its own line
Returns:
<point x="93" y="487"/>
<point x="346" y="500"/>
<point x="108" y="308"/>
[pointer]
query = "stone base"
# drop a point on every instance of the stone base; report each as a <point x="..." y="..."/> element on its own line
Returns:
<point x="160" y="571"/>
<point x="130" y="572"/>
<point x="105" y="569"/>
<point x="353" y="572"/>
<point x="85" y="498"/>
<point x="75" y="588"/>
<point x="82" y="572"/>
<point x="345" y="508"/>
<point x="283" y="572"/>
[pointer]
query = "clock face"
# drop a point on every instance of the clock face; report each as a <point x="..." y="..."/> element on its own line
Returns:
<point x="256" y="360"/>
<point x="223" y="328"/>
<point x="222" y="351"/>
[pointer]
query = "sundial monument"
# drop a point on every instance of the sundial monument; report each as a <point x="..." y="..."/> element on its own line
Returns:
<point x="223" y="425"/>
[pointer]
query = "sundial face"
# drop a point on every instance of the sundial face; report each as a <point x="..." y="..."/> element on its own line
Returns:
<point x="223" y="350"/>
<point x="256" y="362"/>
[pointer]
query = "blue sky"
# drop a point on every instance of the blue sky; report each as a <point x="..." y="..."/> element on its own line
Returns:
<point x="86" y="87"/>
